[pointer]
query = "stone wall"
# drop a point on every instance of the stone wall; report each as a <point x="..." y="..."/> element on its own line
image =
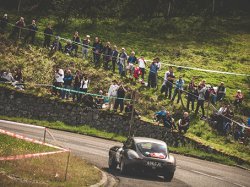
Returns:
<point x="20" y="104"/>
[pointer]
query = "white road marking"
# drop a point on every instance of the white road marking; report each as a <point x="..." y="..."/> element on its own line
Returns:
<point x="219" y="178"/>
<point x="21" y="124"/>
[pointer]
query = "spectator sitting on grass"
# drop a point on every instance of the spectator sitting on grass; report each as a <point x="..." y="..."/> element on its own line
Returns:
<point x="158" y="116"/>
<point x="238" y="98"/>
<point x="68" y="48"/>
<point x="183" y="123"/>
<point x="168" y="121"/>
<point x="6" y="76"/>
<point x="56" y="45"/>
<point x="129" y="108"/>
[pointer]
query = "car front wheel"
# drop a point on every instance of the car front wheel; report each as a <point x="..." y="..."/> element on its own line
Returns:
<point x="112" y="163"/>
<point x="123" y="167"/>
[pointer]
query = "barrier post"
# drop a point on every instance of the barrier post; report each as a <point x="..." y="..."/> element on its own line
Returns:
<point x="44" y="134"/>
<point x="132" y="114"/>
<point x="67" y="166"/>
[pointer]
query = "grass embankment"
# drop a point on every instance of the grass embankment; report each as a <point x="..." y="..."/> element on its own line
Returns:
<point x="217" y="43"/>
<point x="187" y="150"/>
<point x="42" y="171"/>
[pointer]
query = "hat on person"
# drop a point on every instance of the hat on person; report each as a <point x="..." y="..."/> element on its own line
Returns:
<point x="88" y="36"/>
<point x="123" y="48"/>
<point x="239" y="91"/>
<point x="5" y="15"/>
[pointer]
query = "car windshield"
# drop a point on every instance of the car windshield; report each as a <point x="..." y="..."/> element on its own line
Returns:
<point x="150" y="149"/>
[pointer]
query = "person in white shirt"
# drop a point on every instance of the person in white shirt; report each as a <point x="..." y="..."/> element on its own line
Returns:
<point x="59" y="76"/>
<point x="112" y="94"/>
<point x="142" y="66"/>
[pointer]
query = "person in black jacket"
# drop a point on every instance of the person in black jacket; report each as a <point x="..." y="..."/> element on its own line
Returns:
<point x="76" y="85"/>
<point x="97" y="49"/>
<point x="31" y="32"/>
<point x="3" y="23"/>
<point x="114" y="55"/>
<point x="120" y="98"/>
<point x="107" y="55"/>
<point x="75" y="42"/>
<point x="47" y="36"/>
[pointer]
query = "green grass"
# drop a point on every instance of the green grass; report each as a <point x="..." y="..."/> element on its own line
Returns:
<point x="45" y="170"/>
<point x="187" y="150"/>
<point x="12" y="146"/>
<point x="218" y="43"/>
<point x="48" y="171"/>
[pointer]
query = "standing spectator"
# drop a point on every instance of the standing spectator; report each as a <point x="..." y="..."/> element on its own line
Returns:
<point x="131" y="64"/>
<point x="120" y="98"/>
<point x="76" y="85"/>
<point x="121" y="62"/>
<point x="183" y="123"/>
<point x="221" y="92"/>
<point x="86" y="45"/>
<point x="59" y="75"/>
<point x="142" y="66"/>
<point x="97" y="50"/>
<point x="3" y="23"/>
<point x="201" y="99"/>
<point x="238" y="98"/>
<point x="48" y="32"/>
<point x="212" y="94"/>
<point x="152" y="74"/>
<point x="191" y="95"/>
<point x="84" y="84"/>
<point x="178" y="89"/>
<point x="68" y="78"/>
<point x="31" y="33"/>
<point x="112" y="94"/>
<point x="75" y="42"/>
<point x="16" y="32"/>
<point x="168" y="82"/>
<point x="107" y="55"/>
<point x="114" y="57"/>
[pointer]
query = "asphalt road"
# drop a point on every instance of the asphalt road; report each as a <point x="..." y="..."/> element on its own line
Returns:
<point x="189" y="172"/>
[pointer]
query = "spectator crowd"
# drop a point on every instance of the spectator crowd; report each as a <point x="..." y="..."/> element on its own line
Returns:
<point x="75" y="85"/>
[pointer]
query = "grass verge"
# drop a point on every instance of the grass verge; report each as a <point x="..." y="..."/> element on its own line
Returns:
<point x="188" y="150"/>
<point x="42" y="171"/>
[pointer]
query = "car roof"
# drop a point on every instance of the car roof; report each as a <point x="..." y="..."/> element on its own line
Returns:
<point x="144" y="139"/>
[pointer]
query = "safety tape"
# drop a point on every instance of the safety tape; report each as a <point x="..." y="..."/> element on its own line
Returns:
<point x="86" y="93"/>
<point x="165" y="63"/>
<point x="69" y="90"/>
<point x="30" y="139"/>
<point x="240" y="124"/>
<point x="19" y="157"/>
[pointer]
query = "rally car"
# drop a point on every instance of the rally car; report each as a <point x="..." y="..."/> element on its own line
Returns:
<point x="143" y="154"/>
